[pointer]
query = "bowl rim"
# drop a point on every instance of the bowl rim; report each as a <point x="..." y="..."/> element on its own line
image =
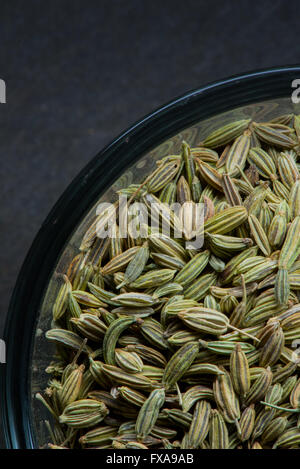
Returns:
<point x="202" y="103"/>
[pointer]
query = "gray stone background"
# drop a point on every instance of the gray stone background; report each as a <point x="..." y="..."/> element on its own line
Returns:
<point x="80" y="72"/>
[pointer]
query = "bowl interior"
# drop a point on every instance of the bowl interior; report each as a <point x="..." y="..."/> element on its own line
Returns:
<point x="43" y="351"/>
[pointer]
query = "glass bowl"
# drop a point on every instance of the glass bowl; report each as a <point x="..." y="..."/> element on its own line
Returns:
<point x="260" y="95"/>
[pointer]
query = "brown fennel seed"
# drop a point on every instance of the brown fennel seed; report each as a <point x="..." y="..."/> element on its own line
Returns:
<point x="162" y="343"/>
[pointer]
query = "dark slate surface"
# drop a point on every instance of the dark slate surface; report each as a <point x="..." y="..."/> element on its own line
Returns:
<point x="78" y="73"/>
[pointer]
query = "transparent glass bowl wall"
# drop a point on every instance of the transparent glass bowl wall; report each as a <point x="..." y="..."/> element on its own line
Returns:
<point x="43" y="350"/>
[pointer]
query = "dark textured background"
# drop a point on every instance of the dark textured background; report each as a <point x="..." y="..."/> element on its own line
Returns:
<point x="80" y="72"/>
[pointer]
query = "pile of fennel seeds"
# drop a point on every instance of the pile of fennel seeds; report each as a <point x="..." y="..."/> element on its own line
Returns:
<point x="158" y="346"/>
